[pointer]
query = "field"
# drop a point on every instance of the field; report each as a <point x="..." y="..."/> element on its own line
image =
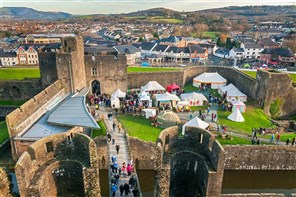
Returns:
<point x="139" y="127"/>
<point x="190" y="88"/>
<point x="254" y="118"/>
<point x="166" y="20"/>
<point x="293" y="77"/>
<point x="148" y="69"/>
<point x="100" y="132"/>
<point x="3" y="132"/>
<point x="18" y="73"/>
<point x="233" y="141"/>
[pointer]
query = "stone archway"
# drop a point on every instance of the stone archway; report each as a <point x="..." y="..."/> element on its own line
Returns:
<point x="96" y="87"/>
<point x="188" y="176"/>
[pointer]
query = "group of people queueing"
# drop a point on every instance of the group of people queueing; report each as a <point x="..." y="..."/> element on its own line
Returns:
<point x="123" y="171"/>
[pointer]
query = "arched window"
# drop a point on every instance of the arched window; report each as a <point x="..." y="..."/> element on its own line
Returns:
<point x="94" y="72"/>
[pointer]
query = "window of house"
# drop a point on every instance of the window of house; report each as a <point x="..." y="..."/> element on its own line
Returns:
<point x="94" y="72"/>
<point x="49" y="147"/>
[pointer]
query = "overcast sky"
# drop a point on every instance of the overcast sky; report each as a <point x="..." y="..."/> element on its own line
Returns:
<point x="125" y="6"/>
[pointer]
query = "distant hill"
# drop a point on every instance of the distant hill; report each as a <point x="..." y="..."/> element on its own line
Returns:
<point x="31" y="14"/>
<point x="154" y="12"/>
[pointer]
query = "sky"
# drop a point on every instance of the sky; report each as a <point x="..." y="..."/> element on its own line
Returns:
<point x="81" y="7"/>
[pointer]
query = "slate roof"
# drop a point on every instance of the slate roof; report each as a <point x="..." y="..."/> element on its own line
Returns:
<point x="252" y="46"/>
<point x="268" y="42"/>
<point x="147" y="46"/>
<point x="268" y="30"/>
<point x="126" y="49"/>
<point x="178" y="49"/>
<point x="223" y="51"/>
<point x="283" y="52"/>
<point x="7" y="54"/>
<point x="197" y="48"/>
<point x="172" y="39"/>
<point x="160" y="47"/>
<point x="239" y="50"/>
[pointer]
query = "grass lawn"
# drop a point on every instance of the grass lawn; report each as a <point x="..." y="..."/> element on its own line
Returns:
<point x="210" y="34"/>
<point x="149" y="69"/>
<point x="233" y="141"/>
<point x="12" y="103"/>
<point x="251" y="73"/>
<point x="139" y="127"/>
<point x="166" y="20"/>
<point x="283" y="137"/>
<point x="293" y="77"/>
<point x="19" y="73"/>
<point x="100" y="132"/>
<point x="3" y="132"/>
<point x="254" y="118"/>
<point x="188" y="88"/>
<point x="197" y="108"/>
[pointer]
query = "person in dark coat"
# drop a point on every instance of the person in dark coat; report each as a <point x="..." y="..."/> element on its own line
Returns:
<point x="121" y="189"/>
<point x="135" y="192"/>
<point x="132" y="182"/>
<point x="288" y="141"/>
<point x="126" y="188"/>
<point x="293" y="141"/>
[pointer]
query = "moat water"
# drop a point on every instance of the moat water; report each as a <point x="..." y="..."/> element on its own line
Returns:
<point x="234" y="181"/>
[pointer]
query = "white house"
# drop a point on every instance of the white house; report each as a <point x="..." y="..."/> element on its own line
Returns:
<point x="8" y="59"/>
<point x="236" y="53"/>
<point x="251" y="50"/>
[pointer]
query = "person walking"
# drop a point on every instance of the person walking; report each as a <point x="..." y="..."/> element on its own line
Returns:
<point x="113" y="158"/>
<point x="117" y="147"/>
<point x="272" y="138"/>
<point x="119" y="127"/>
<point x="126" y="188"/>
<point x="293" y="141"/>
<point x="278" y="138"/>
<point x="129" y="170"/>
<point x="288" y="141"/>
<point x="123" y="169"/>
<point x="113" y="189"/>
<point x="115" y="166"/>
<point x="135" y="192"/>
<point x="121" y="189"/>
<point x="113" y="141"/>
<point x="132" y="182"/>
<point x="114" y="126"/>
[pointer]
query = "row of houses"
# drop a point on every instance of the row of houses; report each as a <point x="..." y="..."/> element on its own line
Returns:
<point x="24" y="55"/>
<point x="265" y="50"/>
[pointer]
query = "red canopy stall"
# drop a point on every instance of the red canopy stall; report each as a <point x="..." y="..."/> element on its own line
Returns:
<point x="173" y="88"/>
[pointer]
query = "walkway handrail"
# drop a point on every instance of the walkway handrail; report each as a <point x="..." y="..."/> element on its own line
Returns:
<point x="108" y="163"/>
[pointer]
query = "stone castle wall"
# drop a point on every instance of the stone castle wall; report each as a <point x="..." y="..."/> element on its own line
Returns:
<point x="23" y="117"/>
<point x="260" y="158"/>
<point x="136" y="80"/>
<point x="74" y="148"/>
<point x="142" y="152"/>
<point x="111" y="72"/>
<point x="5" y="189"/>
<point x="198" y="158"/>
<point x="20" y="89"/>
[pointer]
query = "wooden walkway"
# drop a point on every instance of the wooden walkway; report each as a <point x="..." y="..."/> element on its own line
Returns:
<point x="122" y="156"/>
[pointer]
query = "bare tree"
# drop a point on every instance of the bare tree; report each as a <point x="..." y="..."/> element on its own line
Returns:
<point x="200" y="28"/>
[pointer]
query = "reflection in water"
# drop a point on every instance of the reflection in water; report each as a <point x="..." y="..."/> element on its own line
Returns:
<point x="104" y="183"/>
<point x="146" y="179"/>
<point x="247" y="181"/>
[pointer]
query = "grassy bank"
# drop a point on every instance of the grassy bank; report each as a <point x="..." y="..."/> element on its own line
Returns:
<point x="250" y="73"/>
<point x="3" y="132"/>
<point x="139" y="127"/>
<point x="19" y="73"/>
<point x="254" y="118"/>
<point x="100" y="132"/>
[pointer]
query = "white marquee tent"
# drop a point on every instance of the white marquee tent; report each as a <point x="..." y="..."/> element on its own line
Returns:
<point x="194" y="98"/>
<point x="195" y="122"/>
<point x="236" y="116"/>
<point x="233" y="93"/>
<point x="118" y="94"/>
<point x="149" y="113"/>
<point x="166" y="97"/>
<point x="213" y="79"/>
<point x="152" y="86"/>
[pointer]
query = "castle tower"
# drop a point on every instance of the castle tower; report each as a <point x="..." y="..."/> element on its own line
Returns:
<point x="65" y="64"/>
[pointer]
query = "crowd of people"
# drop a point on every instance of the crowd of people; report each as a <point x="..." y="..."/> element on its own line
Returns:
<point x="124" y="171"/>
